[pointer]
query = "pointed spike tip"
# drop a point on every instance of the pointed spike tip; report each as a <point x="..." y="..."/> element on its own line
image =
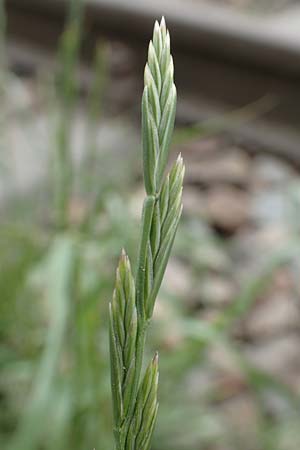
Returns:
<point x="180" y="167"/>
<point x="123" y="258"/>
<point x="124" y="265"/>
<point x="163" y="22"/>
<point x="179" y="158"/>
<point x="147" y="76"/>
<point x="150" y="49"/>
<point x="155" y="359"/>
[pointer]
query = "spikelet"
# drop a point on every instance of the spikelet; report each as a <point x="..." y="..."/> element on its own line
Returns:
<point x="158" y="108"/>
<point x="123" y="335"/>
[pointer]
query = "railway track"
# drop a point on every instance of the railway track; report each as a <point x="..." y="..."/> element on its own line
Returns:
<point x="224" y="59"/>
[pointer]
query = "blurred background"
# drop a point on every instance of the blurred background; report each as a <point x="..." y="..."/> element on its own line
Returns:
<point x="227" y="320"/>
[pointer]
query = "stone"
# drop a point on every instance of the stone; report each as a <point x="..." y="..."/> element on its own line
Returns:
<point x="194" y="202"/>
<point x="267" y="207"/>
<point x="279" y="313"/>
<point x="225" y="364"/>
<point x="240" y="412"/>
<point x="228" y="167"/>
<point x="277" y="356"/>
<point x="227" y="208"/>
<point x="216" y="291"/>
<point x="241" y="419"/>
<point x="269" y="172"/>
<point x="196" y="149"/>
<point x="178" y="278"/>
<point x="253" y="249"/>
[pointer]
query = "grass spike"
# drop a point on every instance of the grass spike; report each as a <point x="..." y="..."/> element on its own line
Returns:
<point x="135" y="397"/>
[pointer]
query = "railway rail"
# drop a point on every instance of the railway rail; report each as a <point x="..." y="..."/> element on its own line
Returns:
<point x="225" y="59"/>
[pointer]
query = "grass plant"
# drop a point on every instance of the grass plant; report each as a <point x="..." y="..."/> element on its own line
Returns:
<point x="135" y="402"/>
<point x="56" y="273"/>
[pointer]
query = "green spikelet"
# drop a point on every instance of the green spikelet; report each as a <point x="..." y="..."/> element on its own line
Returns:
<point x="158" y="108"/>
<point x="144" y="418"/>
<point x="123" y="335"/>
<point x="169" y="206"/>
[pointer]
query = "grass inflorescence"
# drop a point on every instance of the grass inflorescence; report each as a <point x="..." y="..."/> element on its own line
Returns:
<point x="135" y="401"/>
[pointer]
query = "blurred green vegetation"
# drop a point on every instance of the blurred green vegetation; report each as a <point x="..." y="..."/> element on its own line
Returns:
<point x="56" y="279"/>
